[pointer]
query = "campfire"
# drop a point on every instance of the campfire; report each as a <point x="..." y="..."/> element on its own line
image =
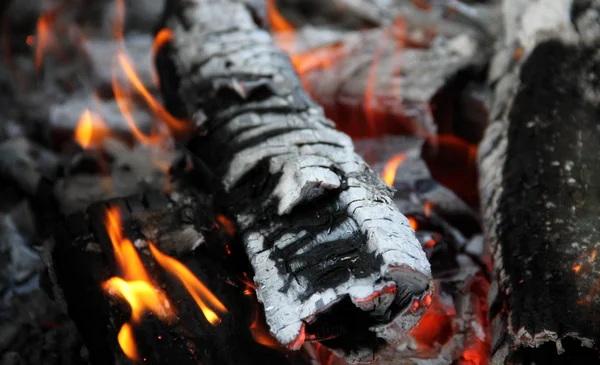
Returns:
<point x="299" y="182"/>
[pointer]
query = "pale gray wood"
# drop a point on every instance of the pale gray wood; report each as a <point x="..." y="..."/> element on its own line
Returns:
<point x="309" y="191"/>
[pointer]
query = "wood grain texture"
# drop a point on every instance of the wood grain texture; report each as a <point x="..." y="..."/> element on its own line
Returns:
<point x="540" y="167"/>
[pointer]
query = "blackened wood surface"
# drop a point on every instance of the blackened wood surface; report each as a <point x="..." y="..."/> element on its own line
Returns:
<point x="540" y="174"/>
<point x="81" y="260"/>
<point x="317" y="223"/>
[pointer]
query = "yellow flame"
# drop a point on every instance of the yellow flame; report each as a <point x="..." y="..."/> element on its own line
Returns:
<point x="389" y="172"/>
<point x="203" y="297"/>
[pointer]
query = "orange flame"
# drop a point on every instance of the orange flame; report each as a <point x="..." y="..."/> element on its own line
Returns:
<point x="413" y="223"/>
<point x="201" y="294"/>
<point x="90" y="129"/>
<point x="135" y="286"/>
<point x="42" y="37"/>
<point x="276" y="20"/>
<point x="173" y="123"/>
<point x="576" y="268"/>
<point x="163" y="37"/>
<point x="319" y="58"/>
<point x="389" y="171"/>
<point x="261" y="333"/>
<point x="127" y="342"/>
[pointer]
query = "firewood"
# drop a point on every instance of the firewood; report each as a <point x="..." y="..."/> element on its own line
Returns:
<point x="81" y="259"/>
<point x="320" y="228"/>
<point x="539" y="164"/>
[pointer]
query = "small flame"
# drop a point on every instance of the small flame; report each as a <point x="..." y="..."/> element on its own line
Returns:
<point x="90" y="129"/>
<point x="163" y="37"/>
<point x="261" y="333"/>
<point x="173" y="123"/>
<point x="276" y="20"/>
<point x="134" y="287"/>
<point x="43" y="33"/>
<point x="201" y="294"/>
<point x="389" y="172"/>
<point x="127" y="342"/>
<point x="413" y="223"/>
<point x="576" y="268"/>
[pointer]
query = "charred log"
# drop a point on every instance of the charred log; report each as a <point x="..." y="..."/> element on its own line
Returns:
<point x="319" y="226"/>
<point x="541" y="206"/>
<point x="81" y="260"/>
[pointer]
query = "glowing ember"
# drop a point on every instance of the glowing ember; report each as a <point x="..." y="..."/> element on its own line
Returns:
<point x="276" y="20"/>
<point x="90" y="130"/>
<point x="226" y="224"/>
<point x="435" y="327"/>
<point x="135" y="286"/>
<point x="576" y="268"/>
<point x="389" y="171"/>
<point x="201" y="294"/>
<point x="427" y="209"/>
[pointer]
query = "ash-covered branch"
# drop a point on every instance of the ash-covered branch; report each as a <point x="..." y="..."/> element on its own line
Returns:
<point x="319" y="226"/>
<point x="540" y="168"/>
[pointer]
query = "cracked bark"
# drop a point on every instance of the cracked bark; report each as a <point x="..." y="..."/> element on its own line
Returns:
<point x="320" y="228"/>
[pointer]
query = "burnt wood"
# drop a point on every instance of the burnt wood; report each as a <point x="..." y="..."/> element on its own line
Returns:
<point x="319" y="226"/>
<point x="81" y="259"/>
<point x="540" y="167"/>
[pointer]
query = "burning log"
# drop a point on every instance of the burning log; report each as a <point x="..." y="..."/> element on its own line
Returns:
<point x="383" y="80"/>
<point x="323" y="235"/>
<point x="181" y="323"/>
<point x="540" y="206"/>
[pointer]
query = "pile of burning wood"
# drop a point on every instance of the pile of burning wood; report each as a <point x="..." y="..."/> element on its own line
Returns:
<point x="299" y="182"/>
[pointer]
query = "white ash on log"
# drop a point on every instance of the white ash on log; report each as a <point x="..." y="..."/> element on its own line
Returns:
<point x="539" y="166"/>
<point x="81" y="259"/>
<point x="319" y="226"/>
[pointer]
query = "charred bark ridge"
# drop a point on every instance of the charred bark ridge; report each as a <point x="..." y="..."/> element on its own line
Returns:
<point x="541" y="208"/>
<point x="81" y="259"/>
<point x="319" y="226"/>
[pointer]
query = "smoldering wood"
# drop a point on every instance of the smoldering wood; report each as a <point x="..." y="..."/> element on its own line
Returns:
<point x="319" y="226"/>
<point x="540" y="206"/>
<point x="417" y="192"/>
<point x="445" y="15"/>
<point x="80" y="259"/>
<point x="385" y="78"/>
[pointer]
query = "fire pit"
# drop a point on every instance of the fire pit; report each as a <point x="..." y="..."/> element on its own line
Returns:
<point x="299" y="182"/>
